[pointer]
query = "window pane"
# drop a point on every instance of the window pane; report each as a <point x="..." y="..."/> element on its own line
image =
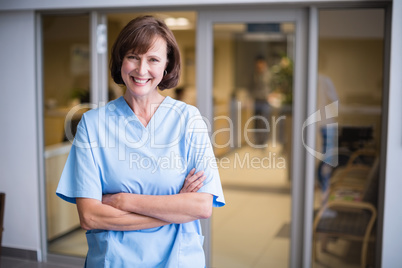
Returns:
<point x="350" y="86"/>
<point x="66" y="84"/>
<point x="253" y="84"/>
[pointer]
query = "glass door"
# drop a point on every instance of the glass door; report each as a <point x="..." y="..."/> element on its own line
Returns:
<point x="251" y="83"/>
<point x="66" y="88"/>
<point x="252" y="103"/>
<point x="350" y="137"/>
<point x="74" y="74"/>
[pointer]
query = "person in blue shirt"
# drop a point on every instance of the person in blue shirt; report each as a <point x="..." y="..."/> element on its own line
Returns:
<point x="141" y="169"/>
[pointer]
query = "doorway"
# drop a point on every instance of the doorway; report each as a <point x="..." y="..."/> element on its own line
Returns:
<point x="66" y="84"/>
<point x="252" y="71"/>
<point x="252" y="96"/>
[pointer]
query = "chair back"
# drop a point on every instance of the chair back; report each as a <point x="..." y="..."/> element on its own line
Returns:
<point x="371" y="187"/>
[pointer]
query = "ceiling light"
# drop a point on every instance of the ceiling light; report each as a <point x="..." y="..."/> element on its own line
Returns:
<point x="182" y="22"/>
<point x="170" y="21"/>
<point x="177" y="23"/>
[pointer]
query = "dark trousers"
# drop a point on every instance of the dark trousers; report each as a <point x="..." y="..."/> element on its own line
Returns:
<point x="261" y="113"/>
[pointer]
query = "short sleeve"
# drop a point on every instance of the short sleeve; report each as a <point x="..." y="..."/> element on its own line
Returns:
<point x="202" y="158"/>
<point x="80" y="177"/>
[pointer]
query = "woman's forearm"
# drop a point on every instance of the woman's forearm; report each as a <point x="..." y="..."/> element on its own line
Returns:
<point x="186" y="206"/>
<point x="178" y="208"/>
<point x="95" y="215"/>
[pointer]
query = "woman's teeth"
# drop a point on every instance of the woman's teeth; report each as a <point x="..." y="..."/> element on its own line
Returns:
<point x="140" y="81"/>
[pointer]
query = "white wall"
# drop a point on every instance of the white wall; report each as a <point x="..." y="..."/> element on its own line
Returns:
<point x="392" y="228"/>
<point x="18" y="131"/>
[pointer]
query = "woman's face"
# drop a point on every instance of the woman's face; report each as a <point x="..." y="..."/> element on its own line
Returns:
<point x="143" y="73"/>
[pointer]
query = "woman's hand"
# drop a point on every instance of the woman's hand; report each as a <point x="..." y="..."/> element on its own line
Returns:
<point x="193" y="182"/>
<point x="114" y="200"/>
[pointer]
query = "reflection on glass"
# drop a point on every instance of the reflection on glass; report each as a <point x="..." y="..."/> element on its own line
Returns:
<point x="253" y="84"/>
<point x="66" y="85"/>
<point x="348" y="138"/>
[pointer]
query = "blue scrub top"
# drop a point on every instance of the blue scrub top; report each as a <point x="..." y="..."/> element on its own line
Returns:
<point x="113" y="152"/>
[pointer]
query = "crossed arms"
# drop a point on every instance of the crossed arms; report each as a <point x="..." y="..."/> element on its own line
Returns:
<point x="128" y="212"/>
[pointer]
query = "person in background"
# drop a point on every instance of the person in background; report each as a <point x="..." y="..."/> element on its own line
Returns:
<point x="327" y="140"/>
<point x="259" y="91"/>
<point x="141" y="169"/>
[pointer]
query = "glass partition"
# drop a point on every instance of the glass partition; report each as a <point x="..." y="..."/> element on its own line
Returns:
<point x="350" y="88"/>
<point x="252" y="100"/>
<point x="66" y="66"/>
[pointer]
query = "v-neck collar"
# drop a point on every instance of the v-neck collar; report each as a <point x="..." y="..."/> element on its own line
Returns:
<point x="128" y="111"/>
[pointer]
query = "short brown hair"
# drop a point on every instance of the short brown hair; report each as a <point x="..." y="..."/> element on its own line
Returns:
<point x="138" y="37"/>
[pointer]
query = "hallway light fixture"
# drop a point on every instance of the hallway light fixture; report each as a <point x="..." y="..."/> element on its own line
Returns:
<point x="178" y="23"/>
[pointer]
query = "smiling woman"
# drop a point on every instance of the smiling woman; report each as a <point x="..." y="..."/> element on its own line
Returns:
<point x="139" y="215"/>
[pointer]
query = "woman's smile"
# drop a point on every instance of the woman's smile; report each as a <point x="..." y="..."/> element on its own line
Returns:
<point x="140" y="81"/>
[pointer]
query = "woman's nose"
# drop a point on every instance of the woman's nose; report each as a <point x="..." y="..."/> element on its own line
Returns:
<point x="142" y="67"/>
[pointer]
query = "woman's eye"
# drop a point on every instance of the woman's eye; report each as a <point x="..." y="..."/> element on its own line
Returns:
<point x="134" y="57"/>
<point x="154" y="60"/>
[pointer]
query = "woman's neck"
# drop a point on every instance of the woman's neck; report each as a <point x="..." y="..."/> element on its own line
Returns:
<point x="144" y="107"/>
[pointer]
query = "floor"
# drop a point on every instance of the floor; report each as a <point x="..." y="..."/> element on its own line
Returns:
<point x="8" y="262"/>
<point x="251" y="231"/>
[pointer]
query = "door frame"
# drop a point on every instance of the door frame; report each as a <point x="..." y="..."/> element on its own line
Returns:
<point x="303" y="96"/>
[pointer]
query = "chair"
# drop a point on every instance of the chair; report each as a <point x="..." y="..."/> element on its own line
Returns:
<point x="358" y="161"/>
<point x="353" y="173"/>
<point x="2" y="202"/>
<point x="350" y="211"/>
